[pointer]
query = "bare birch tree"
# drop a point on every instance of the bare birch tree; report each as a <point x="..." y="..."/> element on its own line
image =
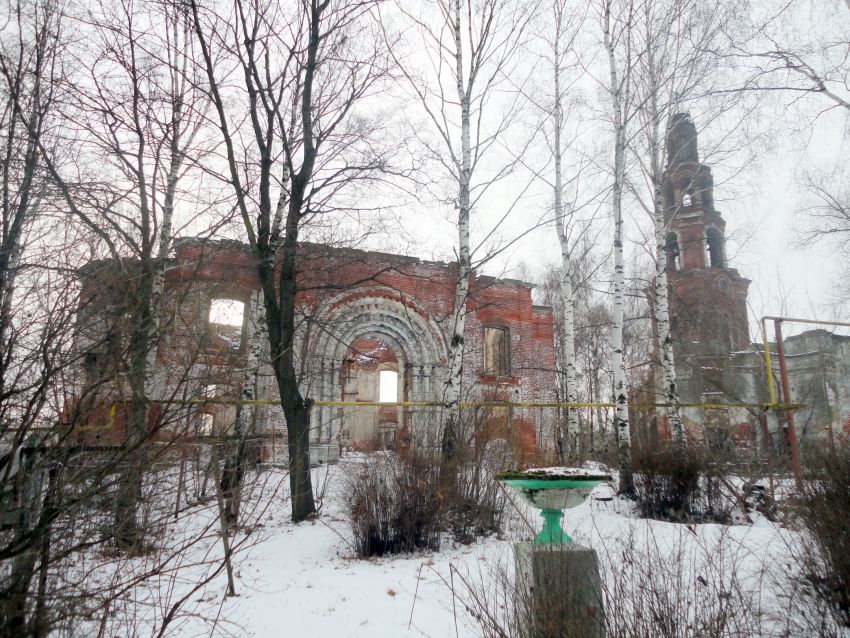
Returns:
<point x="653" y="66"/>
<point x="591" y="336"/>
<point x="565" y="30"/>
<point x="36" y="303"/>
<point x="673" y="70"/>
<point x="797" y="52"/>
<point x="28" y="94"/>
<point x="830" y="213"/>
<point x="471" y="45"/>
<point x="246" y="411"/>
<point x="128" y="109"/>
<point x="42" y="249"/>
<point x="617" y="21"/>
<point x="798" y="49"/>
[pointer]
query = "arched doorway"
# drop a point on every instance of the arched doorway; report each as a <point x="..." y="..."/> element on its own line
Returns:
<point x="401" y="338"/>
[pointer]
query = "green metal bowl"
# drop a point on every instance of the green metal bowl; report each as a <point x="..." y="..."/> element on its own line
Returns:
<point x="552" y="493"/>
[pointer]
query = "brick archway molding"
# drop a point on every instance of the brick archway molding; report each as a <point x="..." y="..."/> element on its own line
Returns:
<point x="378" y="313"/>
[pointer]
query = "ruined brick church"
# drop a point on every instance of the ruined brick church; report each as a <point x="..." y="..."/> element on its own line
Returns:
<point x="372" y="329"/>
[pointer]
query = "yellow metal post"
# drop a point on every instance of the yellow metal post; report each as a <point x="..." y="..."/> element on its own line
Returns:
<point x="767" y="365"/>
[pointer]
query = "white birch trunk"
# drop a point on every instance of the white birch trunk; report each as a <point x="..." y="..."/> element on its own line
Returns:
<point x="166" y="223"/>
<point x="569" y="349"/>
<point x="246" y="411"/>
<point x="566" y="283"/>
<point x="464" y="175"/>
<point x="256" y="336"/>
<point x="667" y="392"/>
<point x="161" y="260"/>
<point x="621" y="409"/>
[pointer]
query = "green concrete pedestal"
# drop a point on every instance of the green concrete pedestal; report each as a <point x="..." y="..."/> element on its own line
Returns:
<point x="561" y="594"/>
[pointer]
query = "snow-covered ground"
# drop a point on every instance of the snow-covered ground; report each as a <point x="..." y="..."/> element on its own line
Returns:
<point x="304" y="578"/>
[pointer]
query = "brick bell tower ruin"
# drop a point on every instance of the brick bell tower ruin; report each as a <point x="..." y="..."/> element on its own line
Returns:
<point x="707" y="298"/>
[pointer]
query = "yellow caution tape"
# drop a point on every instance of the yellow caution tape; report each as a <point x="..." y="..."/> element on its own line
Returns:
<point x="480" y="404"/>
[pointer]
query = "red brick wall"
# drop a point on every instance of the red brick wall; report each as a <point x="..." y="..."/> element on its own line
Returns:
<point x="205" y="270"/>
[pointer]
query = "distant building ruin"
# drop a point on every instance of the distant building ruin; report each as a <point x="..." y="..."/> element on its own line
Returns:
<point x="819" y="376"/>
<point x="372" y="328"/>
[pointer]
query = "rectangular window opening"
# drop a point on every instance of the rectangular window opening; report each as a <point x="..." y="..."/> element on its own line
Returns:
<point x="496" y="358"/>
<point x="207" y="424"/>
<point x="388" y="386"/>
<point x="226" y="323"/>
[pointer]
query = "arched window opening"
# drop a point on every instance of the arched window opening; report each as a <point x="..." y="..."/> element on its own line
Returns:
<point x="673" y="252"/>
<point x="372" y="372"/>
<point x="705" y="193"/>
<point x="714" y="247"/>
<point x="226" y="322"/>
<point x="388" y="386"/>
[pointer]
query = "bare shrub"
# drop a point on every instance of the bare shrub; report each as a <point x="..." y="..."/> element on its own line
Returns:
<point x="683" y="484"/>
<point x="91" y="588"/>
<point x="682" y="586"/>
<point x="403" y="501"/>
<point x="824" y="510"/>
<point x="475" y="501"/>
<point x="393" y="504"/>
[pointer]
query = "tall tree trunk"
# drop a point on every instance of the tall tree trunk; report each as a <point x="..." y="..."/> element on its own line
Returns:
<point x="147" y="312"/>
<point x="17" y="215"/>
<point x="263" y="241"/>
<point x="451" y="430"/>
<point x="668" y="389"/>
<point x="234" y="465"/>
<point x="284" y="107"/>
<point x="40" y="621"/>
<point x="127" y="532"/>
<point x="295" y="407"/>
<point x="621" y="408"/>
<point x="20" y="569"/>
<point x="178" y="90"/>
<point x="566" y="282"/>
<point x="670" y="393"/>
<point x="14" y="604"/>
